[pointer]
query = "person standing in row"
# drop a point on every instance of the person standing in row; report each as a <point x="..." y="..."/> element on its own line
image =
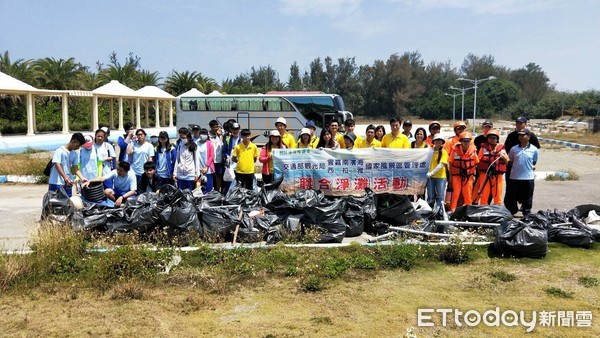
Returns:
<point x="266" y="156"/>
<point x="459" y="127"/>
<point x="124" y="140"/>
<point x="286" y="138"/>
<point x="520" y="185"/>
<point x="187" y="164"/>
<point x="370" y="141"/>
<point x="106" y="153"/>
<point x="164" y="159"/>
<point x="326" y="140"/>
<point x="215" y="136"/>
<point x="141" y="152"/>
<point x="480" y="139"/>
<point x="492" y="166"/>
<point x="206" y="151"/>
<point x="65" y="160"/>
<point x="406" y="130"/>
<point x="230" y="142"/>
<point x="304" y="139"/>
<point x="245" y="155"/>
<point x="314" y="140"/>
<point x="349" y="126"/>
<point x="513" y="139"/>
<point x="334" y="128"/>
<point x="89" y="162"/>
<point x="419" y="141"/>
<point x="463" y="161"/>
<point x="379" y="132"/>
<point x="395" y="139"/>
<point x="434" y="129"/>
<point x="437" y="175"/>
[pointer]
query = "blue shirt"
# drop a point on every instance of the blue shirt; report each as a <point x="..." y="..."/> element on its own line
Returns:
<point x="88" y="161"/>
<point x="66" y="159"/>
<point x="122" y="183"/>
<point x="141" y="155"/>
<point x="523" y="160"/>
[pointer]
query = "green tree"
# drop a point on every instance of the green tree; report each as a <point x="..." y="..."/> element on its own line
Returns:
<point x="19" y="69"/>
<point x="533" y="82"/>
<point x="294" y="83"/>
<point x="124" y="73"/>
<point x="58" y="74"/>
<point x="146" y="78"/>
<point x="178" y="83"/>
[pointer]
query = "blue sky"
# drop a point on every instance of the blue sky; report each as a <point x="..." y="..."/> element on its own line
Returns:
<point x="223" y="38"/>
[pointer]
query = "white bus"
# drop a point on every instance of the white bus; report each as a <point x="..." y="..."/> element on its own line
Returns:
<point x="258" y="112"/>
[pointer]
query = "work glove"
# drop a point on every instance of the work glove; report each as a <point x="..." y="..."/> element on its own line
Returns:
<point x="429" y="174"/>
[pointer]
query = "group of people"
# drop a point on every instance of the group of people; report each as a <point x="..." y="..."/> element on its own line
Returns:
<point x="475" y="168"/>
<point x="212" y="158"/>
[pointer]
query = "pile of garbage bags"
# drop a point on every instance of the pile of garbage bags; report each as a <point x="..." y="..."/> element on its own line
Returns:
<point x="259" y="215"/>
<point x="272" y="216"/>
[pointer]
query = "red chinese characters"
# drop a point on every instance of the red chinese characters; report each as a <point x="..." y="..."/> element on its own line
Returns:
<point x="342" y="183"/>
<point x="399" y="183"/>
<point x="306" y="182"/>
<point x="324" y="184"/>
<point x="380" y="183"/>
<point x="361" y="183"/>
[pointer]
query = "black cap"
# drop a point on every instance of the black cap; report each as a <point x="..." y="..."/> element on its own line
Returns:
<point x="521" y="119"/>
<point x="488" y="123"/>
<point x="407" y="123"/>
<point x="524" y="132"/>
<point x="350" y="136"/>
<point x="194" y="126"/>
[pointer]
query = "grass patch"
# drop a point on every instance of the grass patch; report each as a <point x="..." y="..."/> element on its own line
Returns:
<point x="581" y="136"/>
<point x="129" y="291"/>
<point x="28" y="163"/>
<point x="312" y="284"/>
<point x="456" y="252"/>
<point x="558" y="292"/>
<point x="503" y="276"/>
<point x="567" y="175"/>
<point x="587" y="281"/>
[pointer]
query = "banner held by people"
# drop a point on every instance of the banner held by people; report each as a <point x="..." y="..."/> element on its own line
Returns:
<point x="343" y="172"/>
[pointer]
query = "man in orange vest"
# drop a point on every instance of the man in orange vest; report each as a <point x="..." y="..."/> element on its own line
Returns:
<point x="463" y="161"/>
<point x="459" y="127"/>
<point x="492" y="166"/>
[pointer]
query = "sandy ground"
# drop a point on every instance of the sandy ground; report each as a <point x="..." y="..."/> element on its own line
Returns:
<point x="20" y="204"/>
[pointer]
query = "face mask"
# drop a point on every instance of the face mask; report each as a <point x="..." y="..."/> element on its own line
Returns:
<point x="184" y="141"/>
<point x="154" y="139"/>
<point x="203" y="137"/>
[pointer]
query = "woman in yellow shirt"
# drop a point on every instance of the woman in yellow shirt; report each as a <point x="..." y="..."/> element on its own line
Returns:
<point x="436" y="177"/>
<point x="420" y="137"/>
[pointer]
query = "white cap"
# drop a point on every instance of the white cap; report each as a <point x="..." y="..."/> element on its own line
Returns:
<point x="274" y="133"/>
<point x="304" y="131"/>
<point x="281" y="120"/>
<point x="106" y="130"/>
<point x="89" y="142"/>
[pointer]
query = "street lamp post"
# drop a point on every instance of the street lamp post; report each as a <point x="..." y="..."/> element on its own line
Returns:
<point x="475" y="83"/>
<point x="453" y="105"/>
<point x="462" y="91"/>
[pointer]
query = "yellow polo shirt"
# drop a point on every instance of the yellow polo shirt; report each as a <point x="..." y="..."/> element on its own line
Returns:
<point x="400" y="141"/>
<point x="374" y="144"/>
<point x="339" y="138"/>
<point x="288" y="140"/>
<point x="246" y="157"/>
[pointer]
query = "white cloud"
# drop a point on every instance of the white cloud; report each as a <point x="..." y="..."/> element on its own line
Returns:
<point x="487" y="7"/>
<point x="328" y="8"/>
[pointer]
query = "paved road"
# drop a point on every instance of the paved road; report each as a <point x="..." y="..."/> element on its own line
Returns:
<point x="20" y="204"/>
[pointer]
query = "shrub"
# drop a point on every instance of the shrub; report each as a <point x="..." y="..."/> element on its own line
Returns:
<point x="397" y="256"/>
<point x="312" y="284"/>
<point x="456" y="252"/>
<point x="588" y="282"/>
<point x="558" y="292"/>
<point x="503" y="276"/>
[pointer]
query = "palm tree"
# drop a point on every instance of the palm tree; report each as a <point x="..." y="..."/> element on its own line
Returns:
<point x="19" y="69"/>
<point x="206" y="84"/>
<point x="57" y="74"/>
<point x="126" y="74"/>
<point x="146" y="78"/>
<point x="89" y="80"/>
<point x="179" y="83"/>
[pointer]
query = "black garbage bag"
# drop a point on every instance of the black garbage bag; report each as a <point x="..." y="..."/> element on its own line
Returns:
<point x="180" y="216"/>
<point x="307" y="198"/>
<point x="397" y="210"/>
<point x="584" y="209"/>
<point x="211" y="199"/>
<point x="242" y="196"/>
<point x="278" y="202"/>
<point x="518" y="239"/>
<point x="284" y="227"/>
<point x="273" y="185"/>
<point x="379" y="228"/>
<point x="220" y="221"/>
<point x="580" y="224"/>
<point x="326" y="217"/>
<point x="56" y="206"/>
<point x="91" y="217"/>
<point x="354" y="216"/>
<point x="482" y="213"/>
<point x="570" y="236"/>
<point x="255" y="229"/>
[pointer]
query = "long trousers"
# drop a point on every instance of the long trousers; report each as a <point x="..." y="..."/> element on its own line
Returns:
<point x="461" y="187"/>
<point x="490" y="185"/>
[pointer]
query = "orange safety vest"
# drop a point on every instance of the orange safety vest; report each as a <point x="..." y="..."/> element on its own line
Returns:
<point x="488" y="156"/>
<point x="463" y="163"/>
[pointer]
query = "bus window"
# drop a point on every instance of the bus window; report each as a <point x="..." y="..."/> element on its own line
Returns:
<point x="250" y="104"/>
<point x="192" y="104"/>
<point x="278" y="104"/>
<point x="323" y="104"/>
<point x="220" y="104"/>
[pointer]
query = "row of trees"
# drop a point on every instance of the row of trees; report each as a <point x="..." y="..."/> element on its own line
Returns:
<point x="403" y="84"/>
